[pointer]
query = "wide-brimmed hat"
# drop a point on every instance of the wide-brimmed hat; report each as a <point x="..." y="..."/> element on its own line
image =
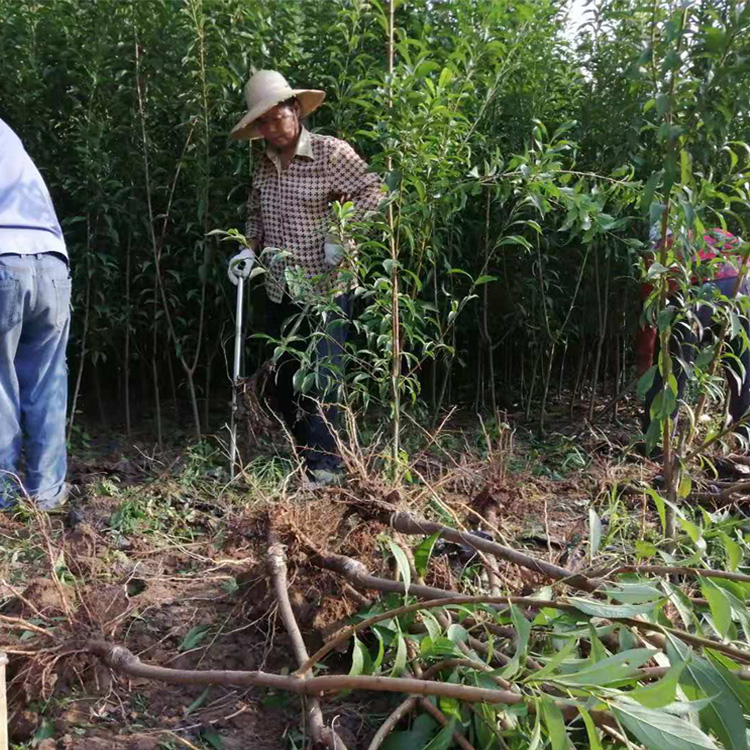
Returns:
<point x="264" y="91"/>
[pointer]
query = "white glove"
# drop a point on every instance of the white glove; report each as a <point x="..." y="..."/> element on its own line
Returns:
<point x="334" y="253"/>
<point x="240" y="265"/>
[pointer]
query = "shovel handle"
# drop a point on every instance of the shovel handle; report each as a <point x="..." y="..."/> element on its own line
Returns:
<point x="235" y="376"/>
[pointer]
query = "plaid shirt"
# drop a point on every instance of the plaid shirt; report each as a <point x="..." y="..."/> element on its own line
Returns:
<point x="289" y="209"/>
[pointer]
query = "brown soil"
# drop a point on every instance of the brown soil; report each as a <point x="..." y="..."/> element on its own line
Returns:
<point x="198" y="598"/>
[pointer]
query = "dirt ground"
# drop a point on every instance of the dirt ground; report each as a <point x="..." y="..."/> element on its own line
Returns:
<point x="167" y="558"/>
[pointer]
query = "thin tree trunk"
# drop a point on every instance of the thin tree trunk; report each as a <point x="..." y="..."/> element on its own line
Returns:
<point x="84" y="333"/>
<point x="173" y="385"/>
<point x="533" y="387"/>
<point x="546" y="388"/>
<point x="486" y="336"/>
<point x="579" y="373"/>
<point x="395" y="312"/>
<point x="155" y="369"/>
<point x="603" y="305"/>
<point x="560" y="378"/>
<point x="126" y="384"/>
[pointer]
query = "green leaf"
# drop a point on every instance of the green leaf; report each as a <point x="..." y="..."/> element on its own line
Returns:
<point x="553" y="718"/>
<point x="193" y="637"/>
<point x="733" y="550"/>
<point x="660" y="693"/>
<point x="402" y="564"/>
<point x="648" y="192"/>
<point x="551" y="666"/>
<point x="721" y="608"/>
<point x="612" y="669"/>
<point x="450" y="707"/>
<point x="523" y="629"/>
<point x="686" y="484"/>
<point x="360" y="658"/>
<point x="633" y="593"/>
<point x="212" y="737"/>
<point x="423" y="553"/>
<point x="725" y="669"/>
<point x="45" y="730"/>
<point x="381" y="651"/>
<point x="446" y="76"/>
<point x="591" y="731"/>
<point x="597" y="650"/>
<point x="418" y="736"/>
<point x="660" y="504"/>
<point x="197" y="703"/>
<point x="457" y="633"/>
<point x="723" y="716"/>
<point x="444" y="738"/>
<point x="602" y="609"/>
<point x="658" y="730"/>
<point x="536" y="734"/>
<point x="399" y="661"/>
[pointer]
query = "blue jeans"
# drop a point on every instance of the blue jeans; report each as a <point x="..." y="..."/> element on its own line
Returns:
<point x="313" y="431"/>
<point x="34" y="323"/>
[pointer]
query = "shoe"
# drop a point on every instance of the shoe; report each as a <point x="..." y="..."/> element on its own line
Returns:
<point x="57" y="503"/>
<point x="325" y="478"/>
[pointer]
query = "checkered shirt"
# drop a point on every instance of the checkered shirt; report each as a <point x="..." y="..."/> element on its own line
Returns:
<point x="290" y="209"/>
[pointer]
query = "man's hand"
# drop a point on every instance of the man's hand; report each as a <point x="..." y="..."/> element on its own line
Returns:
<point x="240" y="265"/>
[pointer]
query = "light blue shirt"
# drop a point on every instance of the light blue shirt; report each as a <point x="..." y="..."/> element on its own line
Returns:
<point x="28" y="223"/>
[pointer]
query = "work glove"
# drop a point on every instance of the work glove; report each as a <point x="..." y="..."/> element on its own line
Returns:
<point x="240" y="265"/>
<point x="334" y="252"/>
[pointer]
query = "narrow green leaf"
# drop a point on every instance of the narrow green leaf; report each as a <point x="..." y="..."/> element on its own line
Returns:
<point x="723" y="715"/>
<point x="633" y="593"/>
<point x="660" y="693"/>
<point x="612" y="669"/>
<point x="399" y="661"/>
<point x="591" y="731"/>
<point x="658" y="730"/>
<point x="598" y="652"/>
<point x="193" y="637"/>
<point x="423" y="553"/>
<point x="536" y="735"/>
<point x="602" y="609"/>
<point x="551" y="666"/>
<point x="197" y="703"/>
<point x="444" y="738"/>
<point x="733" y="550"/>
<point x="213" y="738"/>
<point x="360" y="657"/>
<point x="402" y="564"/>
<point x="721" y="608"/>
<point x="553" y="718"/>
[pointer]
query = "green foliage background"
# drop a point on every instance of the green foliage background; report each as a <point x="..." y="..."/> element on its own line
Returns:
<point x="517" y="153"/>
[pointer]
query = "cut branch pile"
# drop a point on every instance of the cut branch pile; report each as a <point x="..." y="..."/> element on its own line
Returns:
<point x="613" y="652"/>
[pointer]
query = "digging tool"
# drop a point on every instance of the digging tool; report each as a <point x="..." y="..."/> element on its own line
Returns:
<point x="241" y="271"/>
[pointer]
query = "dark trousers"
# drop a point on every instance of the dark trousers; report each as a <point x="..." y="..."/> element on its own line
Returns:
<point x="684" y="344"/>
<point x="312" y="416"/>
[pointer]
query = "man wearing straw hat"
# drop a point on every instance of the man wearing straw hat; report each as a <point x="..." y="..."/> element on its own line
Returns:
<point x="294" y="183"/>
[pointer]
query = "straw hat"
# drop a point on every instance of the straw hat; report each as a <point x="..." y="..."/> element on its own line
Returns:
<point x="264" y="91"/>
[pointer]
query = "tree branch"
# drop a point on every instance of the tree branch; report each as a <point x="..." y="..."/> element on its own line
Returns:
<point x="276" y="563"/>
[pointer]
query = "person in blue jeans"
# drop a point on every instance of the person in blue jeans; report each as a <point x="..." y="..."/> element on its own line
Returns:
<point x="35" y="290"/>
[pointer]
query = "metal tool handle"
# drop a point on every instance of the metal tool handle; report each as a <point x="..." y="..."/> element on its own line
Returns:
<point x="236" y="374"/>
